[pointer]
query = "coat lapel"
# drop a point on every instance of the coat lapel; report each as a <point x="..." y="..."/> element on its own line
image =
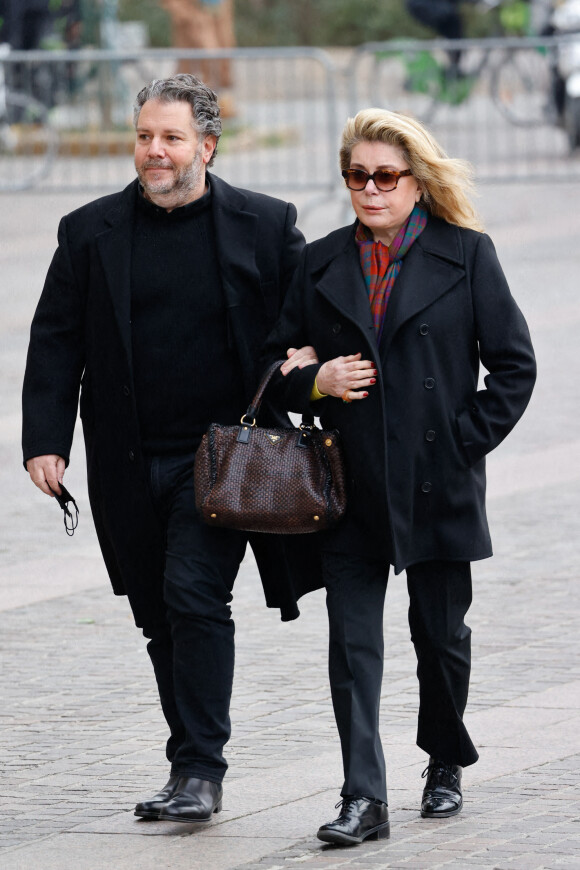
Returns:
<point x="342" y="284"/>
<point x="236" y="235"/>
<point x="236" y="238"/>
<point x="114" y="247"/>
<point x="431" y="268"/>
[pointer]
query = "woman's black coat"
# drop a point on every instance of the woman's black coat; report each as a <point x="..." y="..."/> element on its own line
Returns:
<point x="416" y="447"/>
<point x="81" y="338"/>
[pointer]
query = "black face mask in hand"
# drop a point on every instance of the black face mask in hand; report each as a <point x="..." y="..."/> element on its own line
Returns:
<point x="71" y="520"/>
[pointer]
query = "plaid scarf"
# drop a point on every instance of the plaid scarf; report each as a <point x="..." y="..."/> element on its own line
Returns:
<point x="381" y="264"/>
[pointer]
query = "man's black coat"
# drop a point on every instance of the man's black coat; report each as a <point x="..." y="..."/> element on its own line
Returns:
<point x="416" y="447"/>
<point x="81" y="338"/>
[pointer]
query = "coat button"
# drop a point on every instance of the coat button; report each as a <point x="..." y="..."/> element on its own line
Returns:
<point x="131" y="456"/>
<point x="424" y="328"/>
<point x="337" y="328"/>
<point x="429" y="383"/>
<point x="426" y="487"/>
<point x="430" y="435"/>
<point x="126" y="390"/>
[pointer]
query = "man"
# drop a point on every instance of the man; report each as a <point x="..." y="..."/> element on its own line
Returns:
<point x="205" y="24"/>
<point x="444" y="17"/>
<point x="26" y="23"/>
<point x="32" y="24"/>
<point x="155" y="306"/>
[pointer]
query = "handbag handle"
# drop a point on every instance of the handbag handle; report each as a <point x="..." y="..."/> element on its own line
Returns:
<point x="249" y="418"/>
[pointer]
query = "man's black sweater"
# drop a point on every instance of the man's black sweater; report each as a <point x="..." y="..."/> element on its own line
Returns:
<point x="186" y="371"/>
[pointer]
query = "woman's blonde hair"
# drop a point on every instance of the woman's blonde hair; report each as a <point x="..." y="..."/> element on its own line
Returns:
<point x="447" y="183"/>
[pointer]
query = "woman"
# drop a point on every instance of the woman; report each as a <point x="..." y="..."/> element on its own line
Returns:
<point x="393" y="316"/>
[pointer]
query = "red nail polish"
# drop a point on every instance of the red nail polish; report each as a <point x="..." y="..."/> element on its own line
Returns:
<point x="373" y="381"/>
<point x="365" y="395"/>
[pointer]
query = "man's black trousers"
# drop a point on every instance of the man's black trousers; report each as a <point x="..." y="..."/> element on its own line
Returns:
<point x="440" y="596"/>
<point x="192" y="635"/>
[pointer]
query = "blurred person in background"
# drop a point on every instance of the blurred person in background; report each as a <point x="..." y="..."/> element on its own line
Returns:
<point x="30" y="24"/>
<point x="208" y="25"/>
<point x="401" y="309"/>
<point x="443" y="16"/>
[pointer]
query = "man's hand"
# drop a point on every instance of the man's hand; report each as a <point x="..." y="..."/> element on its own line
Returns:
<point x="344" y="377"/>
<point x="298" y="358"/>
<point x="47" y="472"/>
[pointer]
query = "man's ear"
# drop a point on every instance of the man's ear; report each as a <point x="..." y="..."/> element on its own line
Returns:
<point x="209" y="146"/>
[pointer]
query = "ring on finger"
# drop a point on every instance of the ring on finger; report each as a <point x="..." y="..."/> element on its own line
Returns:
<point x="346" y="400"/>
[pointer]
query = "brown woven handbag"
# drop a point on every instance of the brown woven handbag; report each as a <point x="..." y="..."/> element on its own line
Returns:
<point x="283" y="481"/>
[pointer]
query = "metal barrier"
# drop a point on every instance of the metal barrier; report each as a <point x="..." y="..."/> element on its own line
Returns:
<point x="498" y="110"/>
<point x="279" y="124"/>
<point x="65" y="117"/>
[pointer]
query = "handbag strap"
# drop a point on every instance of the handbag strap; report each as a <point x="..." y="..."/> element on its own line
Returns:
<point x="249" y="418"/>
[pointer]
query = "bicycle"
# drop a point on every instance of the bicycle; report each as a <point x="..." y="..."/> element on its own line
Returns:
<point x="28" y="142"/>
<point x="447" y="74"/>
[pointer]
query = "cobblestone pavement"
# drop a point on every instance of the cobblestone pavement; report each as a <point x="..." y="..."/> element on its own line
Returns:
<point x="81" y="736"/>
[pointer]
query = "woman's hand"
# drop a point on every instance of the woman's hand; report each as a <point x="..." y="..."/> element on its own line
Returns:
<point x="346" y="377"/>
<point x="299" y="357"/>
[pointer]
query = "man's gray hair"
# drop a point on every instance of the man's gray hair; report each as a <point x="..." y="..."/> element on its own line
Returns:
<point x="186" y="88"/>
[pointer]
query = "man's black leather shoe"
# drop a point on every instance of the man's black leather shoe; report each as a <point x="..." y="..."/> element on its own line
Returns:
<point x="151" y="809"/>
<point x="194" y="800"/>
<point x="360" y="818"/>
<point x="442" y="795"/>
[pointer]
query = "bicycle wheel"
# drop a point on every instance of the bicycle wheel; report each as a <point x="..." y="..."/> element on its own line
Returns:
<point x="520" y="87"/>
<point x="28" y="142"/>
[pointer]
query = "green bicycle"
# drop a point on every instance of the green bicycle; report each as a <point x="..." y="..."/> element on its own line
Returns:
<point x="423" y="80"/>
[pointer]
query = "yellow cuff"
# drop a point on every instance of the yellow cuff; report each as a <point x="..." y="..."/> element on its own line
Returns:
<point x="316" y="394"/>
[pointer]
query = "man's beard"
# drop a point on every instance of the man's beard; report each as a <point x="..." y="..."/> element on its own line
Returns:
<point x="184" y="179"/>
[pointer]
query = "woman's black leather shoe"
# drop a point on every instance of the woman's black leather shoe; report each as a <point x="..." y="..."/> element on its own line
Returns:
<point x="442" y="795"/>
<point x="360" y="819"/>
<point x="194" y="800"/>
<point x="151" y="809"/>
